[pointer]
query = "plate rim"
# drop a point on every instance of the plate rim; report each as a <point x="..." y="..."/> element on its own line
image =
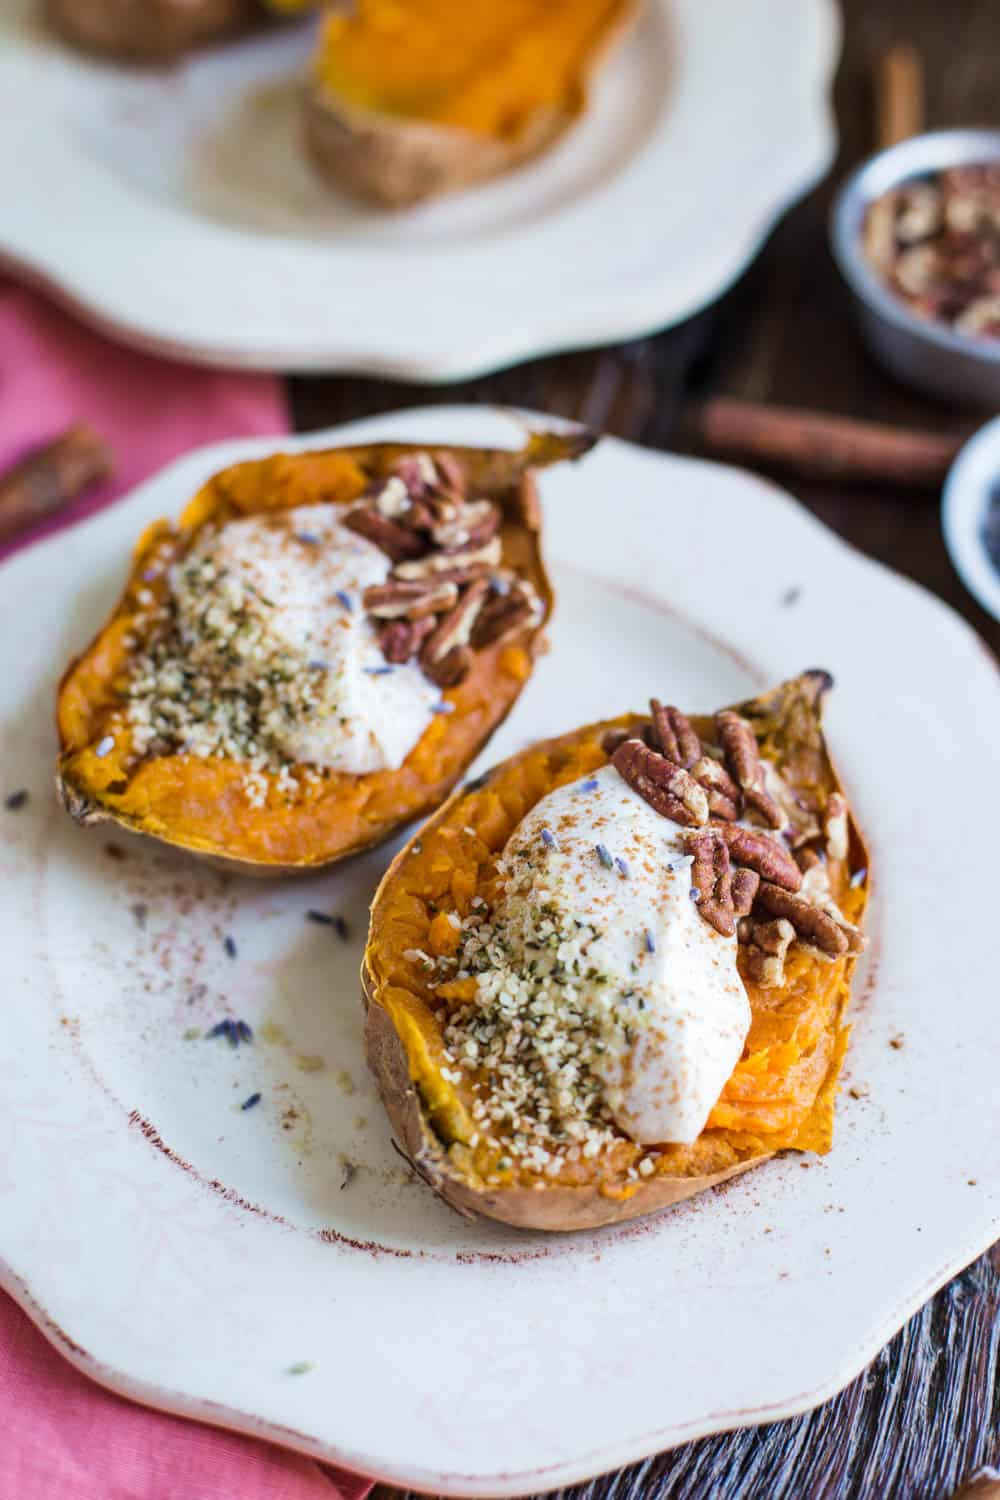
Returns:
<point x="627" y="1450"/>
<point x="647" y="305"/>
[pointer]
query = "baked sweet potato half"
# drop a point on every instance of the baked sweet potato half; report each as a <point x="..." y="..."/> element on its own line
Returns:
<point x="314" y="653"/>
<point x="150" y="30"/>
<point x="410" y="101"/>
<point x="506" y="1049"/>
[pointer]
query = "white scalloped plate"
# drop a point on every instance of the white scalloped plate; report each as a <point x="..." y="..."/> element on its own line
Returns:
<point x="175" y="209"/>
<point x="187" y="1253"/>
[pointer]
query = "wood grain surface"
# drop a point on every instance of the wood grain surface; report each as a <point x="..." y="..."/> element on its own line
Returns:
<point x="926" y="1414"/>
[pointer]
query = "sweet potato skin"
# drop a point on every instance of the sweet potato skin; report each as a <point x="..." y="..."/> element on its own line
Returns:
<point x="565" y="1207"/>
<point x="149" y="30"/>
<point x="395" y="163"/>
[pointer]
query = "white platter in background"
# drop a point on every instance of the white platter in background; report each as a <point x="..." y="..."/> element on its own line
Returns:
<point x="188" y="1254"/>
<point x="174" y="207"/>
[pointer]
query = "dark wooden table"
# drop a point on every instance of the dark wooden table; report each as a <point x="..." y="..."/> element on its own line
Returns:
<point x="927" y="1411"/>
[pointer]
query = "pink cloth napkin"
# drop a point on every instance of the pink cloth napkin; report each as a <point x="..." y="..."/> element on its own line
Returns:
<point x="61" y="1436"/>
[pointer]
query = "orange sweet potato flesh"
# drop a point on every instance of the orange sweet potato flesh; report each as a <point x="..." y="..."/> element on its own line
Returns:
<point x="781" y="1093"/>
<point x="481" y="67"/>
<point x="201" y="805"/>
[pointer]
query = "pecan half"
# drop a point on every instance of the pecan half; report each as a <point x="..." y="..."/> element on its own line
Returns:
<point x="455" y="628"/>
<point x="835" y="826"/>
<point x="666" y="786"/>
<point x="744" y="886"/>
<point x="675" y="736"/>
<point x="396" y="541"/>
<point x="506" y="615"/>
<point x="758" y="851"/>
<point x="445" y="562"/>
<point x="813" y="925"/>
<point x="452" y="668"/>
<point x="451" y="475"/>
<point x="711" y="877"/>
<point x="399" y="599"/>
<point x="473" y="526"/>
<point x="766" y="947"/>
<point x="739" y="745"/>
<point x="401" y="639"/>
<point x="723" y="793"/>
<point x="418" y="473"/>
<point x="529" y="505"/>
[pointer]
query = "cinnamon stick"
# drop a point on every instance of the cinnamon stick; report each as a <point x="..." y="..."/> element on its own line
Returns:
<point x="899" y="95"/>
<point x="815" y="445"/>
<point x="51" y="476"/>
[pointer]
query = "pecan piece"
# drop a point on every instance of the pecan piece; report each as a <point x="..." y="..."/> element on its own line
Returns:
<point x="456" y="626"/>
<point x="417" y="472"/>
<point x="767" y="945"/>
<point x="396" y="541"/>
<point x="471" y="527"/>
<point x="711" y="877"/>
<point x="813" y="925"/>
<point x="676" y="738"/>
<point x="506" y="615"/>
<point x="436" y="563"/>
<point x="759" y="851"/>
<point x="739" y="745"/>
<point x="744" y="886"/>
<point x="451" y="475"/>
<point x="401" y="639"/>
<point x="666" y="786"/>
<point x="400" y="599"/>
<point x="723" y="793"/>
<point x="529" y="504"/>
<point x="453" y="668"/>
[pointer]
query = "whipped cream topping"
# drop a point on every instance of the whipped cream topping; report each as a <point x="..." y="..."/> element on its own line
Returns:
<point x="598" y="892"/>
<point x="273" y="659"/>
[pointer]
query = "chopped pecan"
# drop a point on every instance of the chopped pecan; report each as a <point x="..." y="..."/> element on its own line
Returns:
<point x="758" y="851"/>
<point x="401" y="599"/>
<point x="452" y="668"/>
<point x="711" y="877"/>
<point x="807" y="859"/>
<point x="436" y="563"/>
<point x="396" y="541"/>
<point x="666" y="786"/>
<point x="506" y="615"/>
<point x="812" y="924"/>
<point x="401" y="639"/>
<point x="744" y="885"/>
<point x="418" y="473"/>
<point x="739" y="745"/>
<point x="456" y="626"/>
<point x="676" y="738"/>
<point x="835" y="826"/>
<point x="723" y="793"/>
<point x="529" y="504"/>
<point x="766" y="946"/>
<point x="451" y="475"/>
<point x="473" y="526"/>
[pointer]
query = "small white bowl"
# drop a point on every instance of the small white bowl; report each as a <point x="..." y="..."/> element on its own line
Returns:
<point x="931" y="355"/>
<point x="973" y="481"/>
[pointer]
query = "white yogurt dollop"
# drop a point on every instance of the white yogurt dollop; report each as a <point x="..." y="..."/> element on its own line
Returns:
<point x="659" y="983"/>
<point x="297" y="577"/>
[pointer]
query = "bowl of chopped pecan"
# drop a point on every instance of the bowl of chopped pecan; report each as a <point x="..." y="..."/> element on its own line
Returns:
<point x="916" y="234"/>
